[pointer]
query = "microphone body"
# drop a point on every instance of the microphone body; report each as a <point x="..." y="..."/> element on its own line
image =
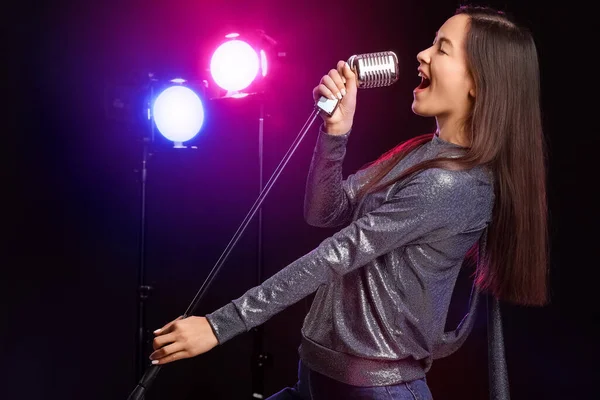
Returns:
<point x="372" y="70"/>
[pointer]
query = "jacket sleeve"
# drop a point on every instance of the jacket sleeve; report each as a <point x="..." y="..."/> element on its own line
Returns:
<point x="433" y="205"/>
<point x="329" y="199"/>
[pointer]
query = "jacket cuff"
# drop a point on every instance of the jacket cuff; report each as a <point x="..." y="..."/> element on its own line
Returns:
<point x="226" y="322"/>
<point x="331" y="147"/>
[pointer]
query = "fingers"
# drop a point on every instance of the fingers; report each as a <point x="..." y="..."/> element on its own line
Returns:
<point x="330" y="88"/>
<point x="335" y="83"/>
<point x="170" y="353"/>
<point x="332" y="85"/>
<point x="348" y="75"/>
<point x="163" y="340"/>
<point x="168" y="327"/>
<point x="187" y="338"/>
<point x="340" y="69"/>
<point x="323" y="90"/>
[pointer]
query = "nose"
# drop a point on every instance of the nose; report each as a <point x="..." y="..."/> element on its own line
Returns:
<point x="423" y="57"/>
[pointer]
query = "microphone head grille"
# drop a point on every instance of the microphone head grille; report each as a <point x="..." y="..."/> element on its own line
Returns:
<point x="375" y="69"/>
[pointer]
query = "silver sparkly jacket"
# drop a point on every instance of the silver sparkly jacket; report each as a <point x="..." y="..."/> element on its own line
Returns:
<point x="384" y="281"/>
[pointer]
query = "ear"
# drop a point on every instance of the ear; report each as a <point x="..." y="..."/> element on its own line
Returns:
<point x="471" y="82"/>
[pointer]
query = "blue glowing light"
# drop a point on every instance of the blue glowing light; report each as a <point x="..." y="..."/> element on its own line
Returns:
<point x="178" y="113"/>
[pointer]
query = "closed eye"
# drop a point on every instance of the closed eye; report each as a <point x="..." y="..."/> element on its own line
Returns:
<point x="442" y="41"/>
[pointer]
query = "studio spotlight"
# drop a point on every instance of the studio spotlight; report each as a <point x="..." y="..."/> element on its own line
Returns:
<point x="234" y="65"/>
<point x="240" y="63"/>
<point x="178" y="113"/>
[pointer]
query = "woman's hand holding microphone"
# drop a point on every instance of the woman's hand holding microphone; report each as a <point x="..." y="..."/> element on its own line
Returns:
<point x="339" y="84"/>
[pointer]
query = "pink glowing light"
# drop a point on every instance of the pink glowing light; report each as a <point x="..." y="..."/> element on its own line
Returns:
<point x="234" y="65"/>
<point x="263" y="63"/>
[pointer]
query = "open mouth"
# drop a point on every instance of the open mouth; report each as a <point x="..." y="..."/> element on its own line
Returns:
<point x="424" y="83"/>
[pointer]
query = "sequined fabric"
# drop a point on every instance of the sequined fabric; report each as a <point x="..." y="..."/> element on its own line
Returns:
<point x="383" y="282"/>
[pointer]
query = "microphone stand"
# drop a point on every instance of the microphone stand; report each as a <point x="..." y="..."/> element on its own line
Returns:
<point x="152" y="371"/>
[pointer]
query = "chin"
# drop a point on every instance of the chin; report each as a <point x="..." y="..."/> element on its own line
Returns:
<point x="419" y="110"/>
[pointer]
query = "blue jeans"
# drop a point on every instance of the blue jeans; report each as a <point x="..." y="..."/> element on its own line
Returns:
<point x="314" y="386"/>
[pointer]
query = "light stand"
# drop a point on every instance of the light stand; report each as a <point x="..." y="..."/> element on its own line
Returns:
<point x="122" y="102"/>
<point x="260" y="359"/>
<point x="143" y="289"/>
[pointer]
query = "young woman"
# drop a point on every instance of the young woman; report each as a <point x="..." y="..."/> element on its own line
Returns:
<point x="384" y="281"/>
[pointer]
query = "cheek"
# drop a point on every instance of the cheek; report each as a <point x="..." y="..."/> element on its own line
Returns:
<point x="457" y="82"/>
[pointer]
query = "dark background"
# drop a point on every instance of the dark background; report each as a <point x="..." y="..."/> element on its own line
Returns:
<point x="72" y="193"/>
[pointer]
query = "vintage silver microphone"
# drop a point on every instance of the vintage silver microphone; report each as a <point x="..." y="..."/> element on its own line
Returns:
<point x="372" y="70"/>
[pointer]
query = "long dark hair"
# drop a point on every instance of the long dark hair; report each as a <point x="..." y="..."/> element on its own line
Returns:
<point x="505" y="129"/>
